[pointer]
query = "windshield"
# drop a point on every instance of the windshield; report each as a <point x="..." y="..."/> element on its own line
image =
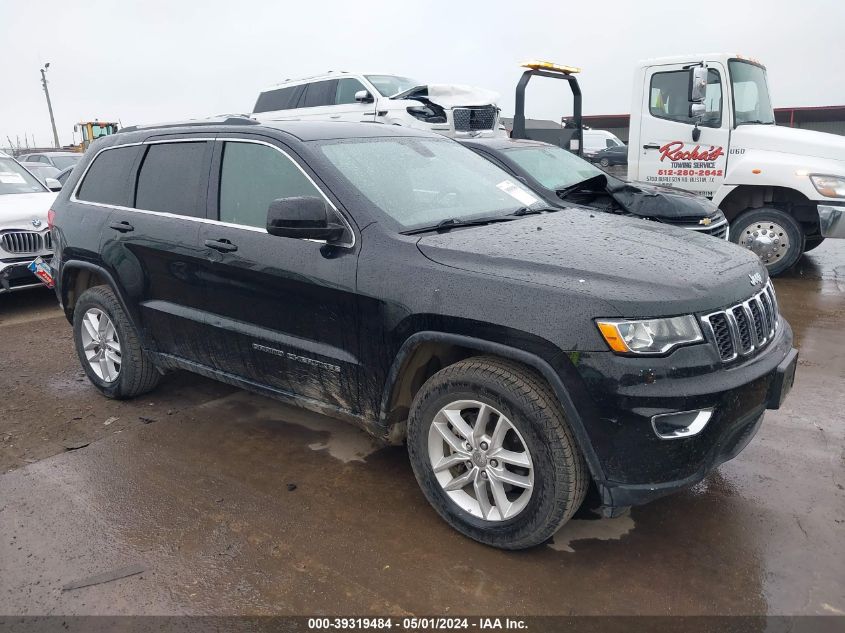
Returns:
<point x="551" y="166"/>
<point x="15" y="179"/>
<point x="751" y="93"/>
<point x="389" y="85"/>
<point x="418" y="182"/>
<point x="65" y="161"/>
<point x="42" y="171"/>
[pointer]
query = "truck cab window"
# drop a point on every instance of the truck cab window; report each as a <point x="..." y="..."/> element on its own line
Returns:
<point x="668" y="98"/>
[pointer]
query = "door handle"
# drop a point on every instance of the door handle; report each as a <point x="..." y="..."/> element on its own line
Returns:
<point x="651" y="146"/>
<point x="122" y="226"/>
<point x="334" y="116"/>
<point x="224" y="246"/>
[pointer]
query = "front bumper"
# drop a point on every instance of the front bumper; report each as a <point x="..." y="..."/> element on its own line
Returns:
<point x="832" y="220"/>
<point x="14" y="274"/>
<point x="627" y="393"/>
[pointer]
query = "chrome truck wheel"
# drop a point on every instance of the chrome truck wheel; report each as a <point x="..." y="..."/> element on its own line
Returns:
<point x="771" y="234"/>
<point x="480" y="460"/>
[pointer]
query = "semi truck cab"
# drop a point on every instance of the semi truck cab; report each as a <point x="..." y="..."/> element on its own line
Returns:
<point x="705" y="123"/>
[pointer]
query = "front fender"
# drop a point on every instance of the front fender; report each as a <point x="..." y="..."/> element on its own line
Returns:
<point x="764" y="168"/>
<point x="558" y="372"/>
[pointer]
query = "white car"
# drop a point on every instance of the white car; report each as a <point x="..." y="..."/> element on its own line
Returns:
<point x="449" y="109"/>
<point x="24" y="234"/>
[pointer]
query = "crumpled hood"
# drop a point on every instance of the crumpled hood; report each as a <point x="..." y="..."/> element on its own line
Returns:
<point x="451" y="95"/>
<point x="18" y="210"/>
<point x="641" y="268"/>
<point x="777" y="138"/>
<point x="655" y="201"/>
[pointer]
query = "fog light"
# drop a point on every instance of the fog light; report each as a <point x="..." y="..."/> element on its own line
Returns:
<point x="670" y="426"/>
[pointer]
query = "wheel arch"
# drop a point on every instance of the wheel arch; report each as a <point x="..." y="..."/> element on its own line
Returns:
<point x="78" y="276"/>
<point x="748" y="197"/>
<point x="424" y="353"/>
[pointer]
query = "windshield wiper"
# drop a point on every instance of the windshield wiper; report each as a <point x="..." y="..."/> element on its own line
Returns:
<point x="452" y="223"/>
<point x="755" y="122"/>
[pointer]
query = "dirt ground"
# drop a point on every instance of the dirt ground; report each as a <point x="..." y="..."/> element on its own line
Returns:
<point x="234" y="504"/>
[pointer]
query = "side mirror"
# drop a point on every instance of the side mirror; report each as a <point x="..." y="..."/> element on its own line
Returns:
<point x="697" y="84"/>
<point x="302" y="217"/>
<point x="53" y="184"/>
<point x="363" y="96"/>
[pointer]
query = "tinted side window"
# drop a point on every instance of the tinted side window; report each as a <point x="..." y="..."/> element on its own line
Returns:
<point x="251" y="177"/>
<point x="280" y="99"/>
<point x="319" y="93"/>
<point x="171" y="177"/>
<point x="669" y="97"/>
<point x="346" y="89"/>
<point x="108" y="180"/>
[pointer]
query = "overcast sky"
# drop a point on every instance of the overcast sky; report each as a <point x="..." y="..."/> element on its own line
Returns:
<point x="142" y="62"/>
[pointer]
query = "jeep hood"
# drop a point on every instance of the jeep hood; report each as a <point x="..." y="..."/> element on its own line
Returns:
<point x="641" y="268"/>
<point x="777" y="138"/>
<point x="450" y="95"/>
<point x="18" y="210"/>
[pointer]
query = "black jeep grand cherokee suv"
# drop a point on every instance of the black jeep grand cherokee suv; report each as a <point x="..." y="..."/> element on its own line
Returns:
<point x="397" y="280"/>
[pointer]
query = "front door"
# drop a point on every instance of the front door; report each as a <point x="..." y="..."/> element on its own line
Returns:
<point x="283" y="310"/>
<point x="668" y="155"/>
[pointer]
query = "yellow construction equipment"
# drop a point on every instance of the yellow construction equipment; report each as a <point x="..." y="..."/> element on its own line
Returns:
<point x="92" y="130"/>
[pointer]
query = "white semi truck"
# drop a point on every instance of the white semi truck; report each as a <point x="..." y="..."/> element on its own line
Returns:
<point x="705" y="123"/>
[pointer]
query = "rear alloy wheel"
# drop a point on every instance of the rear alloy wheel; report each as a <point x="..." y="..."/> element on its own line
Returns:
<point x="493" y="453"/>
<point x="101" y="345"/>
<point x="604" y="162"/>
<point x="108" y="346"/>
<point x="771" y="234"/>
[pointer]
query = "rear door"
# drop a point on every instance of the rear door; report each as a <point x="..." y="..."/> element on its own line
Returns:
<point x="668" y="155"/>
<point x="317" y="101"/>
<point x="151" y="245"/>
<point x="284" y="310"/>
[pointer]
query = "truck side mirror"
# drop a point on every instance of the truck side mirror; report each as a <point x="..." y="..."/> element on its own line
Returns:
<point x="697" y="84"/>
<point x="363" y="96"/>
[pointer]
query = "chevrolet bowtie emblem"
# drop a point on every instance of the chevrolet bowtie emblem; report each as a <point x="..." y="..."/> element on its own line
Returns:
<point x="705" y="221"/>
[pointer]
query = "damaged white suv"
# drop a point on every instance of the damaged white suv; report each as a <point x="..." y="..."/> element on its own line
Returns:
<point x="24" y="234"/>
<point x="449" y="109"/>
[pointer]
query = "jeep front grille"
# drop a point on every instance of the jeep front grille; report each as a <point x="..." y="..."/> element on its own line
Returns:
<point x="474" y="119"/>
<point x="24" y="242"/>
<point x="745" y="327"/>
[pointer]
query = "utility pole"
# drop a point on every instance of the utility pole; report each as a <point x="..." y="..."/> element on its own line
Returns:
<point x="49" y="105"/>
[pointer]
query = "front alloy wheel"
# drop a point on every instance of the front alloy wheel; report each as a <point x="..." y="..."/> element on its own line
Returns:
<point x="494" y="454"/>
<point x="480" y="460"/>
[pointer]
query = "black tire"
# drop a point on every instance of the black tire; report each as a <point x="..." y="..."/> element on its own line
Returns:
<point x="560" y="472"/>
<point x="137" y="374"/>
<point x="604" y="162"/>
<point x="812" y="242"/>
<point x="756" y="219"/>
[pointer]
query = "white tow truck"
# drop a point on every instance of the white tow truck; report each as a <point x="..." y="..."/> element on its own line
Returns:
<point x="705" y="123"/>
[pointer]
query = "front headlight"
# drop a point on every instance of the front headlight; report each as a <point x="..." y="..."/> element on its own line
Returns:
<point x="829" y="186"/>
<point x="650" y="336"/>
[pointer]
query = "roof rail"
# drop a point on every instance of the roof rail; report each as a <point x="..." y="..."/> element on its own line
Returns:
<point x="225" y="119"/>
